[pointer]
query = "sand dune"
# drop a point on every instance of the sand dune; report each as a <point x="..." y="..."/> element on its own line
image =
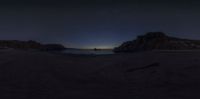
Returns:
<point x="144" y="75"/>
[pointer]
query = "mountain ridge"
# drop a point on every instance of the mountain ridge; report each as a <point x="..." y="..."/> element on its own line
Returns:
<point x="157" y="40"/>
<point x="17" y="44"/>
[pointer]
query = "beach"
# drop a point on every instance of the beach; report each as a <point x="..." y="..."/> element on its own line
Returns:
<point x="142" y="75"/>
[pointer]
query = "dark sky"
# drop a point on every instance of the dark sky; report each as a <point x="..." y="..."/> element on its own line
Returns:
<point x="96" y="23"/>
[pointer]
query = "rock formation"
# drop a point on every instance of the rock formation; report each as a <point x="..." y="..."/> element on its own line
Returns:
<point x="50" y="47"/>
<point x="157" y="40"/>
<point x="16" y="44"/>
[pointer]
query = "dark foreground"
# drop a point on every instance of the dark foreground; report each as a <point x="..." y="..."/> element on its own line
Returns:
<point x="145" y="75"/>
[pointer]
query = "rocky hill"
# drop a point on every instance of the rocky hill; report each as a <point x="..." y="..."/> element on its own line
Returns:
<point x="157" y="40"/>
<point x="16" y="44"/>
<point x="50" y="47"/>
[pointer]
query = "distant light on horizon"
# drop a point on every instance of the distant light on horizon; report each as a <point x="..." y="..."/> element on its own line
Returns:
<point x="99" y="47"/>
<point x="93" y="46"/>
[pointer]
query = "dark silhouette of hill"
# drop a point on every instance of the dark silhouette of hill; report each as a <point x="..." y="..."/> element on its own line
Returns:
<point x="50" y="47"/>
<point x="157" y="40"/>
<point x="16" y="44"/>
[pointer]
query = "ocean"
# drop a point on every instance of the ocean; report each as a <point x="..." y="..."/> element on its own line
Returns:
<point x="88" y="52"/>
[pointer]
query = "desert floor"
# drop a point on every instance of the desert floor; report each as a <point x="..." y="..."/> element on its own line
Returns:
<point x="142" y="75"/>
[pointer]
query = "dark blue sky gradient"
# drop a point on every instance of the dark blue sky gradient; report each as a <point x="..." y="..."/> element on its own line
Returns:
<point x="95" y="23"/>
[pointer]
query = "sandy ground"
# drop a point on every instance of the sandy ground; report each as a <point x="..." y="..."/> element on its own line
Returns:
<point x="144" y="75"/>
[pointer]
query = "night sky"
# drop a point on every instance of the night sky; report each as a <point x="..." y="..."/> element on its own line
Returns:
<point x="96" y="23"/>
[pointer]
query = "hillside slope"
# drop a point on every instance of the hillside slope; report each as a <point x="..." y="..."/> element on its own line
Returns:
<point x="157" y="40"/>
